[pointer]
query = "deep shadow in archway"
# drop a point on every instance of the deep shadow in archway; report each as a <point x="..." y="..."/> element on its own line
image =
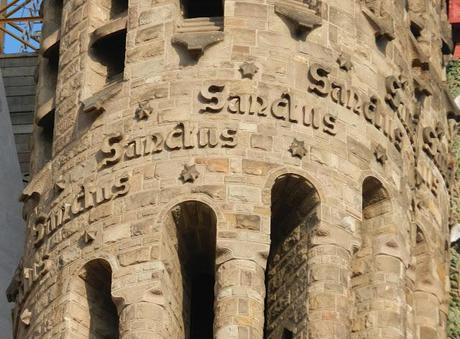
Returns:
<point x="103" y="315"/>
<point x="196" y="246"/>
<point x="294" y="214"/>
<point x="368" y="264"/>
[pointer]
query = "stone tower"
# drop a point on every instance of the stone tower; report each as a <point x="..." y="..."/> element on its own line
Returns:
<point x="239" y="169"/>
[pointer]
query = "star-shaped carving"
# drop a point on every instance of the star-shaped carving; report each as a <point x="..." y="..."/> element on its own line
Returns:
<point x="344" y="62"/>
<point x="144" y="111"/>
<point x="298" y="149"/>
<point x="27" y="273"/>
<point x="380" y="154"/>
<point x="47" y="264"/>
<point x="26" y="316"/>
<point x="60" y="184"/>
<point x="248" y="69"/>
<point x="89" y="236"/>
<point x="189" y="173"/>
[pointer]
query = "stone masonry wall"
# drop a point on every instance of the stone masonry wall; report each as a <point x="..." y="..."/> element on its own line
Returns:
<point x="152" y="111"/>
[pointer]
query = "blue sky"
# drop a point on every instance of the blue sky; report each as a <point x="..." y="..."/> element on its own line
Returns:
<point x="12" y="45"/>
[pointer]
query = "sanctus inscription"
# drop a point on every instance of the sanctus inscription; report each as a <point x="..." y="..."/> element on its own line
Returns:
<point x="182" y="136"/>
<point x="216" y="98"/>
<point x="89" y="196"/>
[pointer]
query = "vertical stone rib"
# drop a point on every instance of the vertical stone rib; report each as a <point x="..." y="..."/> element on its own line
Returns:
<point x="239" y="300"/>
<point x="328" y="292"/>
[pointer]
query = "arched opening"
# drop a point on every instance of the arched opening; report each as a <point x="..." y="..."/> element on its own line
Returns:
<point x="375" y="199"/>
<point x="118" y="8"/>
<point x="378" y="270"/>
<point x="109" y="52"/>
<point x="92" y="311"/>
<point x="294" y="214"/>
<point x="202" y="8"/>
<point x="191" y="226"/>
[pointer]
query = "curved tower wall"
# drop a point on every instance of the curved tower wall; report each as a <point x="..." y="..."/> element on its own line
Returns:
<point x="286" y="163"/>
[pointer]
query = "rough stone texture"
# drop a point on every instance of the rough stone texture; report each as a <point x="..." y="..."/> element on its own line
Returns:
<point x="290" y="179"/>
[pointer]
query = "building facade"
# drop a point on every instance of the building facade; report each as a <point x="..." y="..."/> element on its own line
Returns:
<point x="19" y="72"/>
<point x="11" y="224"/>
<point x="239" y="169"/>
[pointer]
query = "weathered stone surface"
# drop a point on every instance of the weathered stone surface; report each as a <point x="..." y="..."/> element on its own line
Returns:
<point x="295" y="184"/>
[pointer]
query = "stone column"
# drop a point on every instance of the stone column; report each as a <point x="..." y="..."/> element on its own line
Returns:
<point x="329" y="299"/>
<point x="143" y="320"/>
<point x="389" y="305"/>
<point x="239" y="300"/>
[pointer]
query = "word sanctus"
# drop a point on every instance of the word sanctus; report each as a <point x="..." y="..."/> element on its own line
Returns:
<point x="216" y="98"/>
<point x="370" y="108"/>
<point x="89" y="196"/>
<point x="182" y="136"/>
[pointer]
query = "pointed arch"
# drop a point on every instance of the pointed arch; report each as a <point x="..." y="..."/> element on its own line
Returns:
<point x="295" y="209"/>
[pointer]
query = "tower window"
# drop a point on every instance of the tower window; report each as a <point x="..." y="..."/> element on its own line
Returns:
<point x="46" y="136"/>
<point x="294" y="215"/>
<point x="97" y="316"/>
<point x="195" y="230"/>
<point x="287" y="334"/>
<point x="118" y="8"/>
<point x="381" y="42"/>
<point x="109" y="51"/>
<point x="202" y="8"/>
<point x="416" y="30"/>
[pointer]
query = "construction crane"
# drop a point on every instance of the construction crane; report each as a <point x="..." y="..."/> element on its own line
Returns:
<point x="20" y="26"/>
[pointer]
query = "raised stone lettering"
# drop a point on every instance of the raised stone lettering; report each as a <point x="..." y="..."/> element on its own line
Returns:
<point x="329" y="121"/>
<point x="111" y="149"/>
<point x="320" y="82"/>
<point x="214" y="98"/>
<point x="229" y="138"/>
<point x="174" y="140"/>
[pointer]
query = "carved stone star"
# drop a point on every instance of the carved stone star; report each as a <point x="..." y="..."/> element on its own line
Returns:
<point x="89" y="236"/>
<point x="189" y="173"/>
<point x="298" y="149"/>
<point x="380" y="154"/>
<point x="344" y="62"/>
<point x="47" y="264"/>
<point x="60" y="184"/>
<point x="26" y="316"/>
<point x="144" y="111"/>
<point x="248" y="69"/>
<point x="27" y="273"/>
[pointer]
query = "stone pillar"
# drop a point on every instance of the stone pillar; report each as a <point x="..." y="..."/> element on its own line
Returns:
<point x="428" y="297"/>
<point x="328" y="292"/>
<point x="142" y="320"/>
<point x="389" y="304"/>
<point x="239" y="300"/>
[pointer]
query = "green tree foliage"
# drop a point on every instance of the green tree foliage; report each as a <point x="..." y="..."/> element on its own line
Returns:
<point x="454" y="306"/>
<point x="453" y="77"/>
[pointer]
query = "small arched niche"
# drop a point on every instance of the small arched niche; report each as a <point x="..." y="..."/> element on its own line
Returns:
<point x="294" y="214"/>
<point x="92" y="311"/>
<point x="191" y="245"/>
